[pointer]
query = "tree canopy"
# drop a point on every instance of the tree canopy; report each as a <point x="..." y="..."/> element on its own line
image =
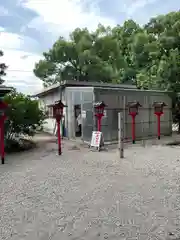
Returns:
<point x="148" y="56"/>
<point x="23" y="115"/>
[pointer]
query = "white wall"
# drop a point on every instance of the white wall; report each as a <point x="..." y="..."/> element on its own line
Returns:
<point x="49" y="98"/>
<point x="49" y="126"/>
<point x="50" y="123"/>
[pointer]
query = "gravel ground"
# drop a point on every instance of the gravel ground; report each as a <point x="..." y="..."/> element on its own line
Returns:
<point x="91" y="195"/>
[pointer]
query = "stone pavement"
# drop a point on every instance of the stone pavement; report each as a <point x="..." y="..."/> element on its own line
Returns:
<point x="91" y="195"/>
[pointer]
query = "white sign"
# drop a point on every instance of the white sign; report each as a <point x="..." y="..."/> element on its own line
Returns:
<point x="83" y="114"/>
<point x="97" y="139"/>
<point x="105" y="113"/>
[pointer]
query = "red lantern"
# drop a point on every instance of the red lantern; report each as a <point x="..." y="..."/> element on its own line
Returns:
<point x="133" y="111"/>
<point x="99" y="112"/>
<point x="3" y="108"/>
<point x="158" y="111"/>
<point x="58" y="108"/>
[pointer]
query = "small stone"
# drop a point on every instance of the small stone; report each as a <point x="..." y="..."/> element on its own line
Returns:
<point x="118" y="224"/>
<point x="74" y="147"/>
<point x="105" y="236"/>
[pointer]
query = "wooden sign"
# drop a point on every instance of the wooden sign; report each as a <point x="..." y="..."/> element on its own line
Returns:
<point x="97" y="140"/>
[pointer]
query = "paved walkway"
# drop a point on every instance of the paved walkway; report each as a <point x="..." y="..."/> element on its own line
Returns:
<point x="89" y="195"/>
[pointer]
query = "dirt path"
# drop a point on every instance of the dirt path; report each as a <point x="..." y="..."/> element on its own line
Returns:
<point x="90" y="195"/>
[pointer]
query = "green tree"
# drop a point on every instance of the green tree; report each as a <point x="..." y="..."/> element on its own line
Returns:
<point x="165" y="29"/>
<point x="147" y="56"/>
<point x="125" y="35"/>
<point x="46" y="71"/>
<point x="3" y="67"/>
<point x="85" y="57"/>
<point x="23" y="115"/>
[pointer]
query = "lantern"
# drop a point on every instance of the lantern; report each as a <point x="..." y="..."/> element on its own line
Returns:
<point x="99" y="112"/>
<point x="133" y="111"/>
<point x="158" y="111"/>
<point x="99" y="108"/>
<point x="58" y="108"/>
<point x="158" y="107"/>
<point x="134" y="108"/>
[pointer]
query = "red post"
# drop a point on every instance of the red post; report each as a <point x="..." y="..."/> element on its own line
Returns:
<point x="59" y="137"/>
<point x="159" y="125"/>
<point x="158" y="111"/>
<point x="99" y="113"/>
<point x="133" y="111"/>
<point x="99" y="123"/>
<point x="2" y="139"/>
<point x="133" y="128"/>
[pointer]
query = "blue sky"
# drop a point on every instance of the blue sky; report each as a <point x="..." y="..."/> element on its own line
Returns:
<point x="29" y="27"/>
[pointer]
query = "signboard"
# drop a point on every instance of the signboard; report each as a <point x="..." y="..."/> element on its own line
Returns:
<point x="83" y="114"/>
<point x="97" y="140"/>
<point x="105" y="113"/>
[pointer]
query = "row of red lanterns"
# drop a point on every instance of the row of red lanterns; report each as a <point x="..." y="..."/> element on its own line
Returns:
<point x="99" y="113"/>
<point x="133" y="108"/>
<point x="133" y="111"/>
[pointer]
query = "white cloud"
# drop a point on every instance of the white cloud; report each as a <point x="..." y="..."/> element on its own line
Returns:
<point x="16" y="41"/>
<point x="2" y="29"/>
<point x="19" y="74"/>
<point x="62" y="16"/>
<point x="56" y="17"/>
<point x="20" y="63"/>
<point x="3" y="11"/>
<point x="137" y="5"/>
<point x="10" y="40"/>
